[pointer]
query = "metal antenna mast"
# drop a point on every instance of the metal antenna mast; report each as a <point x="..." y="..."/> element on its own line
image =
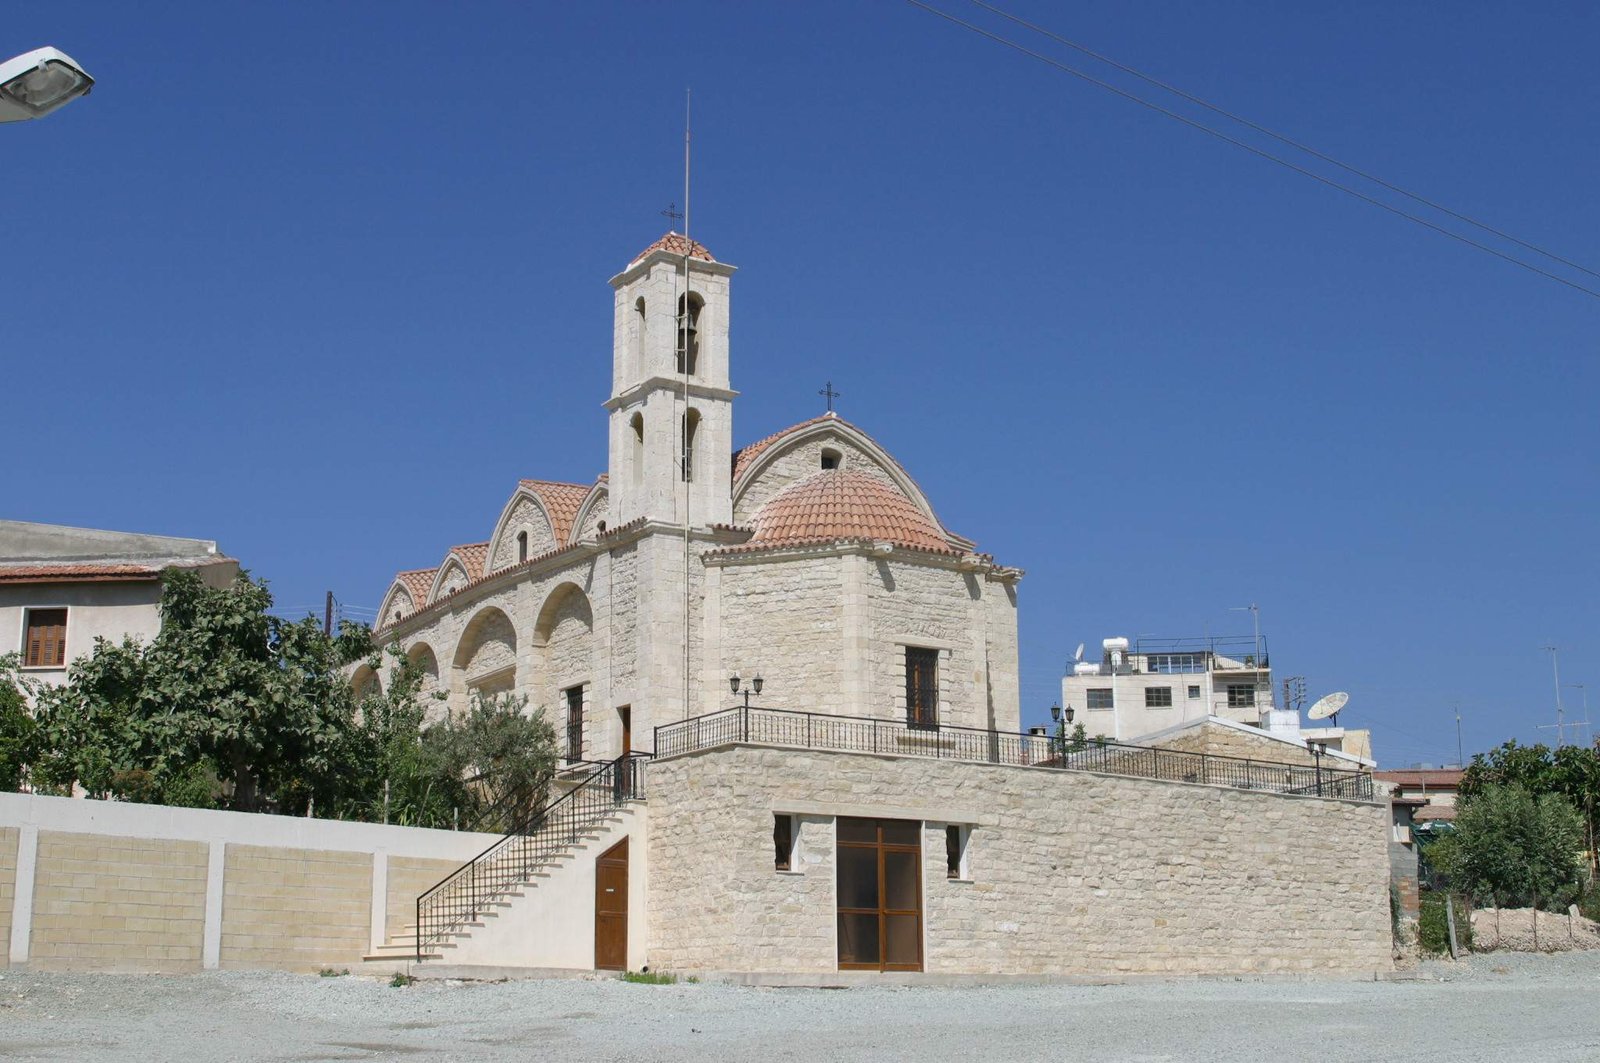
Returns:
<point x="1561" y="728"/>
<point x="683" y="366"/>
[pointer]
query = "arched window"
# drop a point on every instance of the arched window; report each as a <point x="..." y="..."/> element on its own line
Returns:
<point x="638" y="449"/>
<point x="691" y="427"/>
<point x="689" y="332"/>
<point x="522" y="546"/>
<point x="638" y="346"/>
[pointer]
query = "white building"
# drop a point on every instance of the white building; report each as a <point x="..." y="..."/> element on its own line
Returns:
<point x="1150" y="685"/>
<point x="61" y="588"/>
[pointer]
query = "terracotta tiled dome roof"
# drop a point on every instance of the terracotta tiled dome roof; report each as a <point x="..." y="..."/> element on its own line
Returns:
<point x="840" y="504"/>
<point x="675" y="244"/>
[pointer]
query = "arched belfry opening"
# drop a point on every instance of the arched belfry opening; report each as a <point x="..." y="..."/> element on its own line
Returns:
<point x="637" y="341"/>
<point x="689" y="307"/>
<point x="691" y="427"/>
<point x="636" y="458"/>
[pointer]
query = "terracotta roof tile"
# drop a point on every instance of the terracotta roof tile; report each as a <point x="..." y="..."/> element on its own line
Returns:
<point x="1439" y="778"/>
<point x="472" y="556"/>
<point x="674" y="244"/>
<point x="843" y="505"/>
<point x="52" y="572"/>
<point x="416" y="583"/>
<point x="562" y="501"/>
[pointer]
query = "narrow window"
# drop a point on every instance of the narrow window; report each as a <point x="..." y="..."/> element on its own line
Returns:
<point x="691" y="427"/>
<point x="574" y="723"/>
<point x="1158" y="697"/>
<point x="830" y="459"/>
<point x="522" y="546"/>
<point x="1100" y="698"/>
<point x="638" y="337"/>
<point x="782" y="841"/>
<point x="955" y="851"/>
<point x="637" y="463"/>
<point x="689" y="333"/>
<point x="46" y="643"/>
<point x="922" y="688"/>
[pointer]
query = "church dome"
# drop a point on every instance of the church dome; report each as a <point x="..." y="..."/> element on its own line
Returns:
<point x="845" y="504"/>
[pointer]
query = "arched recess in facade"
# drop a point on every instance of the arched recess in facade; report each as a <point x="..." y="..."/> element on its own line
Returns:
<point x="563" y="641"/>
<point x="364" y="681"/>
<point x="422" y="656"/>
<point x="485" y="658"/>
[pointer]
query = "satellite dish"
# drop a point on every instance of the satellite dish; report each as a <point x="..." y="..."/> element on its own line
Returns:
<point x="1077" y="654"/>
<point x="1328" y="706"/>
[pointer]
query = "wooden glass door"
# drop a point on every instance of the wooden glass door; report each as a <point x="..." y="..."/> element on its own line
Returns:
<point x="880" y="894"/>
<point x="611" y="909"/>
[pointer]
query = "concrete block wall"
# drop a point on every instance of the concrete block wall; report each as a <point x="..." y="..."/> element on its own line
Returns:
<point x="1069" y="873"/>
<point x="108" y="903"/>
<point x="107" y="886"/>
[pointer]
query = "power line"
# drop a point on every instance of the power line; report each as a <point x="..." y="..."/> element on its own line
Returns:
<point x="1281" y="138"/>
<point x="1251" y="148"/>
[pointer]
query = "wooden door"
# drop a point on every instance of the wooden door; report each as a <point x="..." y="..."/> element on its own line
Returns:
<point x="880" y="894"/>
<point x="626" y="713"/>
<point x="611" y="909"/>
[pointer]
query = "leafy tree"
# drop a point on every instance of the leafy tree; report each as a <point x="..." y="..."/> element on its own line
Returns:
<point x="1571" y="771"/>
<point x="225" y="699"/>
<point x="18" y="734"/>
<point x="1512" y="846"/>
<point x="507" y="756"/>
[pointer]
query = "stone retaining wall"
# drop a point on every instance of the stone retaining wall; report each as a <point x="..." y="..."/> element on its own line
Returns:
<point x="1068" y="872"/>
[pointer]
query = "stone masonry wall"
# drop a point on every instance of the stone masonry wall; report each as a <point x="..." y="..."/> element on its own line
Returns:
<point x="926" y="606"/>
<point x="109" y="903"/>
<point x="294" y="909"/>
<point x="782" y="619"/>
<point x="1069" y="872"/>
<point x="526" y="516"/>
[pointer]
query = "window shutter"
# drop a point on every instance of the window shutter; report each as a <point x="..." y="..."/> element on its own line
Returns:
<point x="46" y="639"/>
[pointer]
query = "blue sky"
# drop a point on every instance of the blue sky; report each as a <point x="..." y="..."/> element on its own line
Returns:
<point x="321" y="281"/>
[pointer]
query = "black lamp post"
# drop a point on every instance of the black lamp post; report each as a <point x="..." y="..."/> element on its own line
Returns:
<point x="1057" y="714"/>
<point x="734" y="682"/>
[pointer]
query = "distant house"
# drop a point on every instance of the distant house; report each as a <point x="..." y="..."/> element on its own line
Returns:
<point x="61" y="588"/>
<point x="1433" y="791"/>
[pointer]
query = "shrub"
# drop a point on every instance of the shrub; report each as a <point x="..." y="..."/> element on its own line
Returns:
<point x="1433" y="928"/>
<point x="1514" y="848"/>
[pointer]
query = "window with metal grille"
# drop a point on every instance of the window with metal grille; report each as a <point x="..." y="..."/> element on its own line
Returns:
<point x="922" y="687"/>
<point x="46" y="643"/>
<point x="1158" y="697"/>
<point x="1241" y="696"/>
<point x="1100" y="698"/>
<point x="575" y="723"/>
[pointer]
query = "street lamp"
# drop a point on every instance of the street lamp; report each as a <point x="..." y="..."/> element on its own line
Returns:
<point x="756" y="683"/>
<point x="1062" y="719"/>
<point x="34" y="84"/>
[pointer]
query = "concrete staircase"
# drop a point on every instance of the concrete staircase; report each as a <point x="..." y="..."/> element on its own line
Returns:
<point x="532" y="901"/>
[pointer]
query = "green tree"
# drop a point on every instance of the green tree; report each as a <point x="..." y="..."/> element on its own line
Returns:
<point x="507" y="757"/>
<point x="18" y="733"/>
<point x="227" y="704"/>
<point x="1512" y="846"/>
<point x="1571" y="771"/>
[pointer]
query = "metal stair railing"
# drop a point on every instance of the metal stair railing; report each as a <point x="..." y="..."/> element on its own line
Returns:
<point x="543" y="834"/>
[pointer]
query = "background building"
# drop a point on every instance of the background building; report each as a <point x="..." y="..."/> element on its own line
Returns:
<point x="61" y="588"/>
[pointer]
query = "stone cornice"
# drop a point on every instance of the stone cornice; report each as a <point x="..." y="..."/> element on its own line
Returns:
<point x="666" y="383"/>
<point x="696" y="265"/>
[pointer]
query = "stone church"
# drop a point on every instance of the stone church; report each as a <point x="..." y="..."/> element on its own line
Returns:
<point x="876" y="809"/>
<point x="810" y="557"/>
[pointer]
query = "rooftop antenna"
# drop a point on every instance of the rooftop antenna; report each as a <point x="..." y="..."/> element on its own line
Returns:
<point x="1584" y="723"/>
<point x="1560" y="724"/>
<point x="1262" y="682"/>
<point x="1461" y="759"/>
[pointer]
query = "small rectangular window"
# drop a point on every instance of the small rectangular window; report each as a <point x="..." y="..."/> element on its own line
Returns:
<point x="922" y="688"/>
<point x="782" y="841"/>
<point x="955" y="846"/>
<point x="1194" y="692"/>
<point x="574" y="723"/>
<point x="1158" y="697"/>
<point x="45" y="645"/>
<point x="1241" y="695"/>
<point x="1100" y="697"/>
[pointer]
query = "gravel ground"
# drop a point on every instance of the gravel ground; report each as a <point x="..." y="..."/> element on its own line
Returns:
<point x="1488" y="1008"/>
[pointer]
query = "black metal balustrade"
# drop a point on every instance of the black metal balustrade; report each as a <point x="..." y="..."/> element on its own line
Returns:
<point x="861" y="734"/>
<point x="540" y="836"/>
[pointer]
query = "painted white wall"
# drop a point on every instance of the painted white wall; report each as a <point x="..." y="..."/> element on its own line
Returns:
<point x="94" y="610"/>
<point x="552" y="923"/>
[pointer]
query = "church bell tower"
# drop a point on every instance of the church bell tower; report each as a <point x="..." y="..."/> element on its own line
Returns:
<point x="671" y="431"/>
